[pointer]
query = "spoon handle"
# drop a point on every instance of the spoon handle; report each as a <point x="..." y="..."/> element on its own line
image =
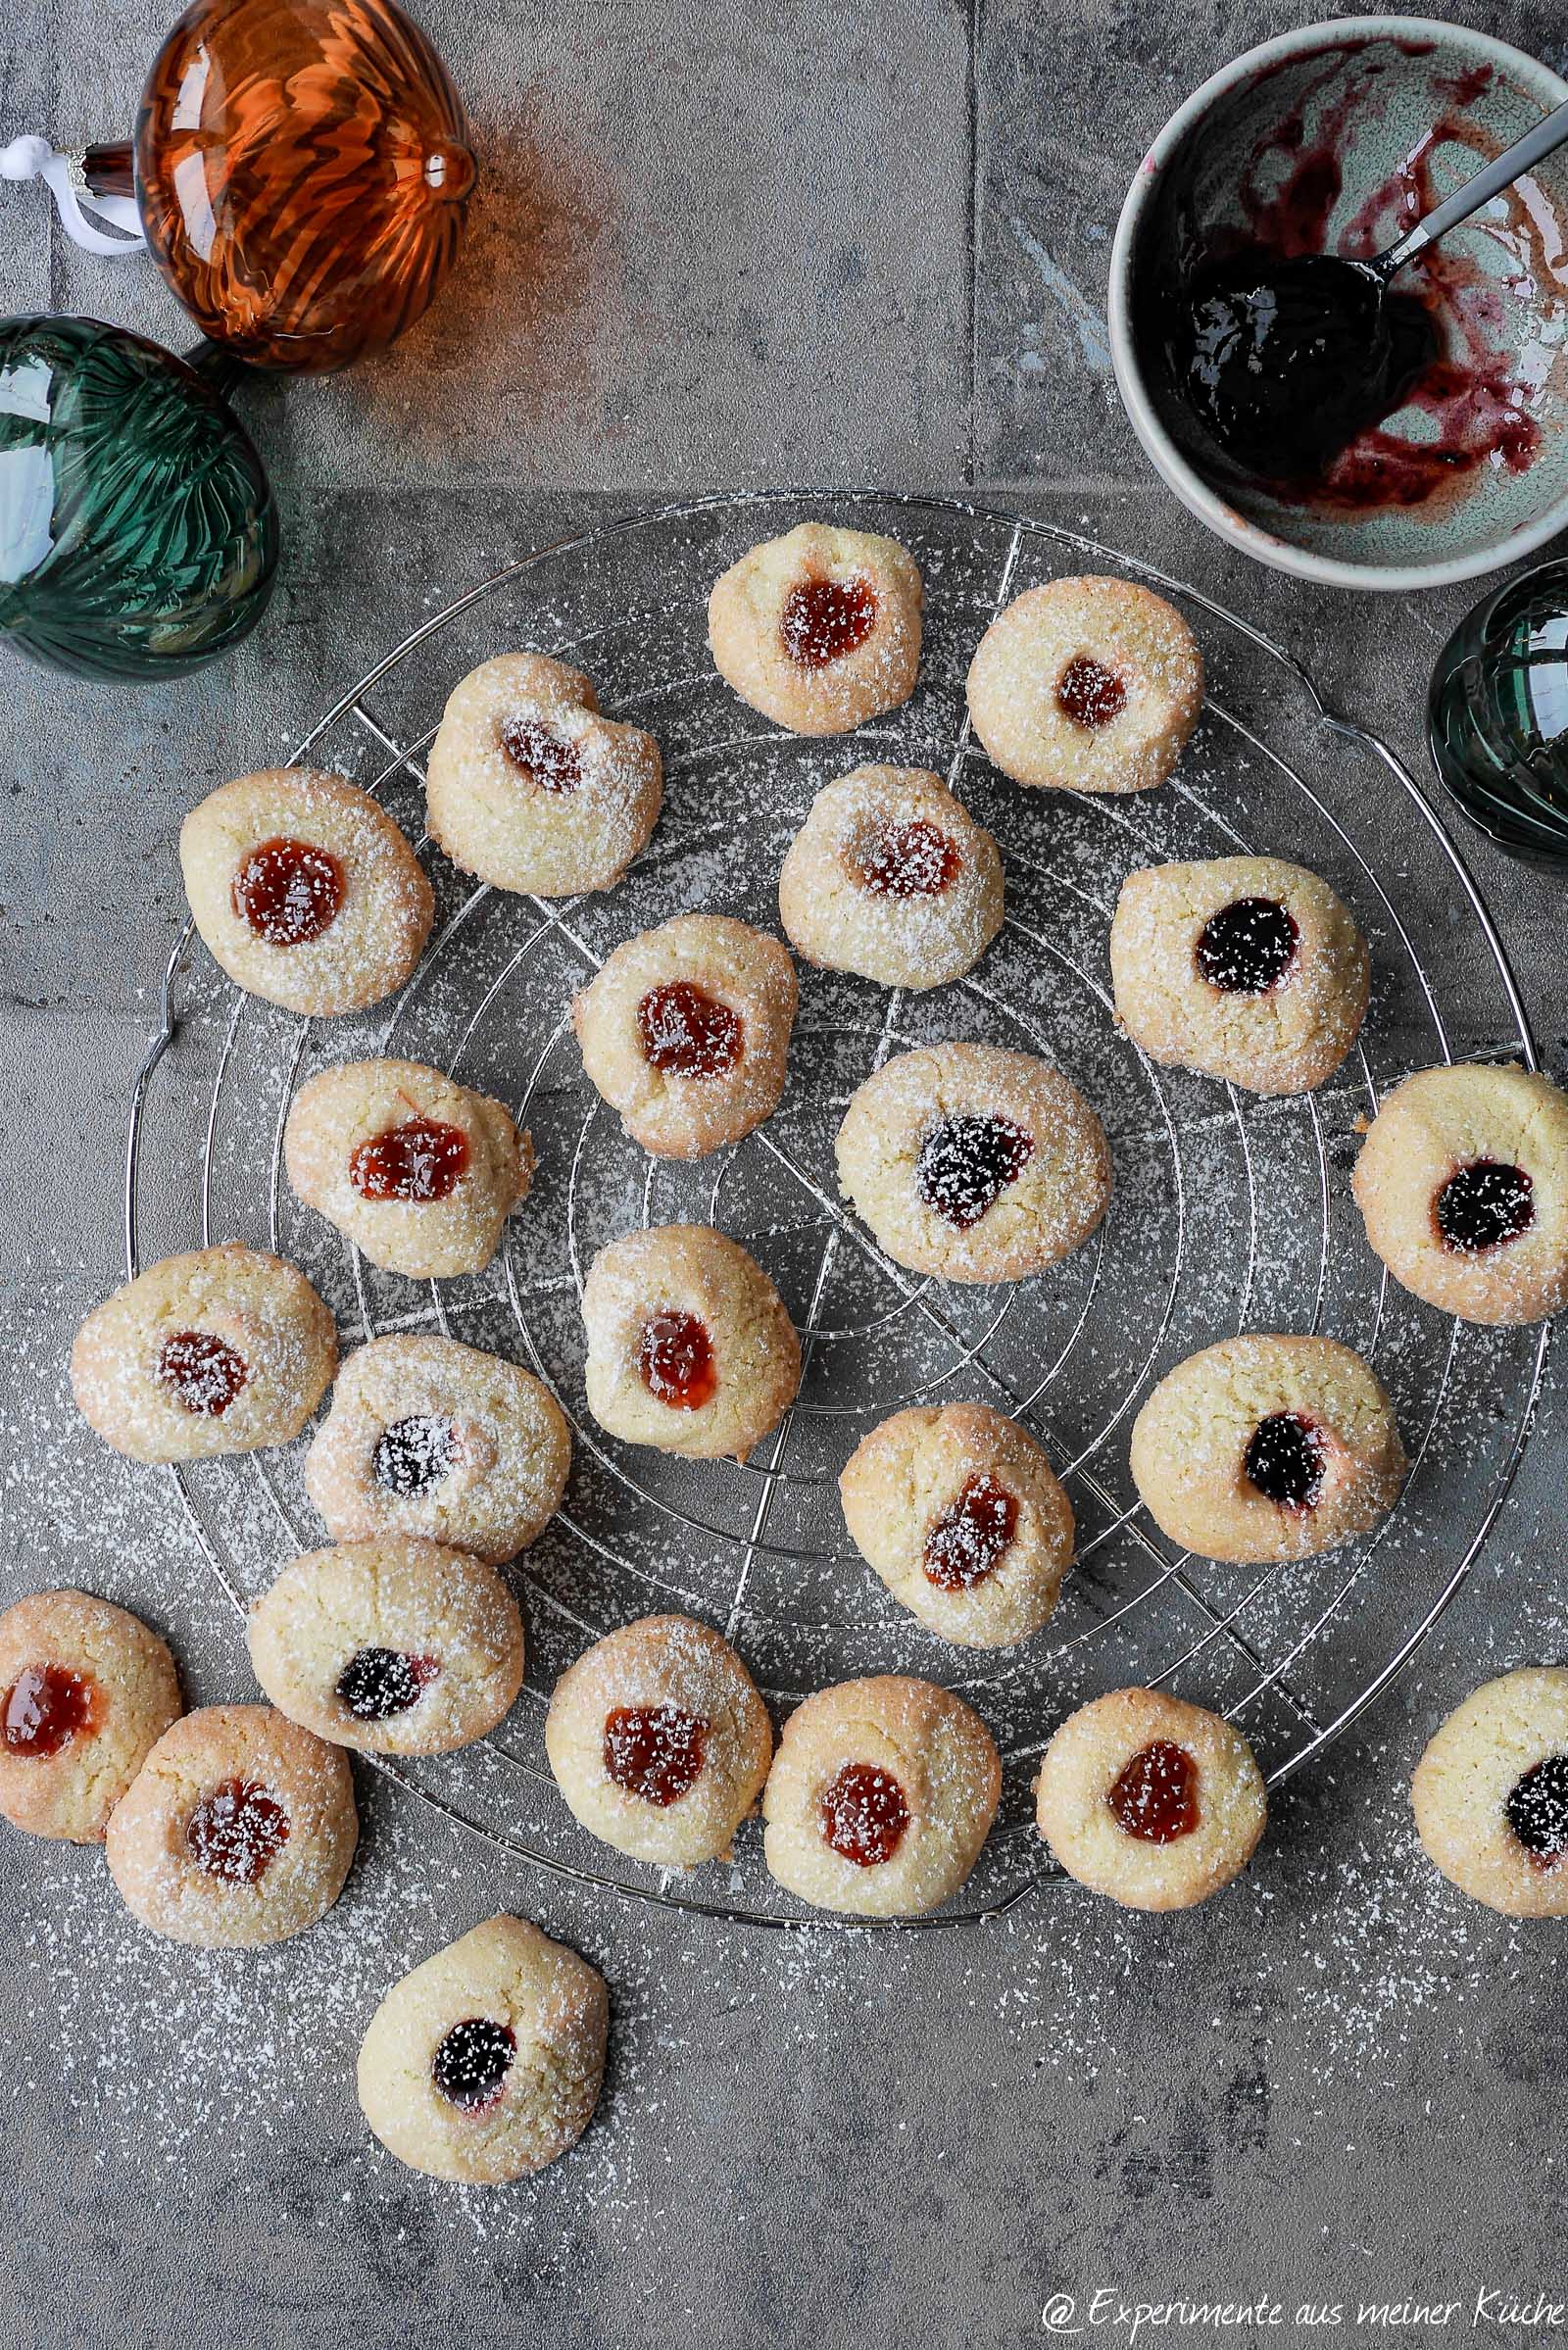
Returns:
<point x="1549" y="133"/>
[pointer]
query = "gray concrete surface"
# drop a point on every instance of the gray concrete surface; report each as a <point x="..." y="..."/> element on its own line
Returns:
<point x="718" y="246"/>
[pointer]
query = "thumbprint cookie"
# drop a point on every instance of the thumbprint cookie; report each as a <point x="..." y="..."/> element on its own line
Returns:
<point x="485" y="2063"/>
<point x="961" y="1515"/>
<point x="1244" y="967"/>
<point x="686" y="1032"/>
<point x="819" y="629"/>
<point x="690" y="1348"/>
<point x="974" y="1163"/>
<point x="1152" y="1802"/>
<point x="658" y="1741"/>
<point x="1463" y="1184"/>
<point x="395" y="1646"/>
<point x="1087" y="685"/>
<point x="417" y="1171"/>
<point x="427" y="1436"/>
<point x="880" y="1797"/>
<point x="1491" y="1794"/>
<point x="225" y="1349"/>
<point x="1267" y="1448"/>
<point x="305" y="891"/>
<point x="86" y="1692"/>
<point x="891" y="877"/>
<point x="238" y="1830"/>
<point x="530" y="789"/>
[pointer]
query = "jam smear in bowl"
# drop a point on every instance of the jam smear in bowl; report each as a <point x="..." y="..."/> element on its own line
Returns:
<point x="1366" y="438"/>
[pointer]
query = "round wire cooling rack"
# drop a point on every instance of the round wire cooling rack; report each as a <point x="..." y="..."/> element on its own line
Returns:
<point x="1230" y="1211"/>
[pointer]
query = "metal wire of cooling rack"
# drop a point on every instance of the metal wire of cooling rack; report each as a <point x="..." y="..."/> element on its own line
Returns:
<point x="626" y="601"/>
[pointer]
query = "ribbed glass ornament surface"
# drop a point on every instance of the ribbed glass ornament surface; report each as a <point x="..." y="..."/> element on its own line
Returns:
<point x="303" y="171"/>
<point x="1498" y="716"/>
<point x="137" y="532"/>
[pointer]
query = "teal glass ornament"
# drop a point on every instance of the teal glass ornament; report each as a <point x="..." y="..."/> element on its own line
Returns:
<point x="1497" y="716"/>
<point x="138" y="537"/>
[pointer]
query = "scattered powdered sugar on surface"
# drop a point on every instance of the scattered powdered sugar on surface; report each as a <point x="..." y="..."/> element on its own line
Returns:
<point x="1337" y="1956"/>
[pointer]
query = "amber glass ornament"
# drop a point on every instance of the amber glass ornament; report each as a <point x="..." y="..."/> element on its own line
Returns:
<point x="302" y="170"/>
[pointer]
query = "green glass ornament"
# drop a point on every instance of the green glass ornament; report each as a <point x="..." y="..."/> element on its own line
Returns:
<point x="137" y="532"/>
<point x="1497" y="716"/>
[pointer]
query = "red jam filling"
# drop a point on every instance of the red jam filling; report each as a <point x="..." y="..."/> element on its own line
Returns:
<point x="421" y="1159"/>
<point x="1156" y="1797"/>
<point x="971" y="1537"/>
<point x="686" y="1032"/>
<point x="863" y="1814"/>
<point x="201" y="1373"/>
<point x="237" y="1832"/>
<point x="546" y="758"/>
<point x="654" y="1753"/>
<point x="908" y="860"/>
<point x="46" y="1707"/>
<point x="823" y="619"/>
<point x="288" y="891"/>
<point x="675" y="1356"/>
<point x="1090" y="693"/>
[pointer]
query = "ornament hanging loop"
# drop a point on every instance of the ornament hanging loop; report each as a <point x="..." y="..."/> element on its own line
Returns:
<point x="64" y="175"/>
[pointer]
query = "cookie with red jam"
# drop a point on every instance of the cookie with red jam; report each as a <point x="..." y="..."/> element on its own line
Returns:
<point x="890" y="877"/>
<point x="237" y="1831"/>
<point x="686" y="1032"/>
<point x="1150" y="1800"/>
<point x="881" y="1796"/>
<point x="86" y="1692"/>
<point x="658" y="1741"/>
<point x="819" y="629"/>
<point x="224" y="1349"/>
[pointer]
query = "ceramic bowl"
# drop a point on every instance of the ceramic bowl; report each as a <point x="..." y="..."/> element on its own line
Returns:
<point x="1335" y="138"/>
